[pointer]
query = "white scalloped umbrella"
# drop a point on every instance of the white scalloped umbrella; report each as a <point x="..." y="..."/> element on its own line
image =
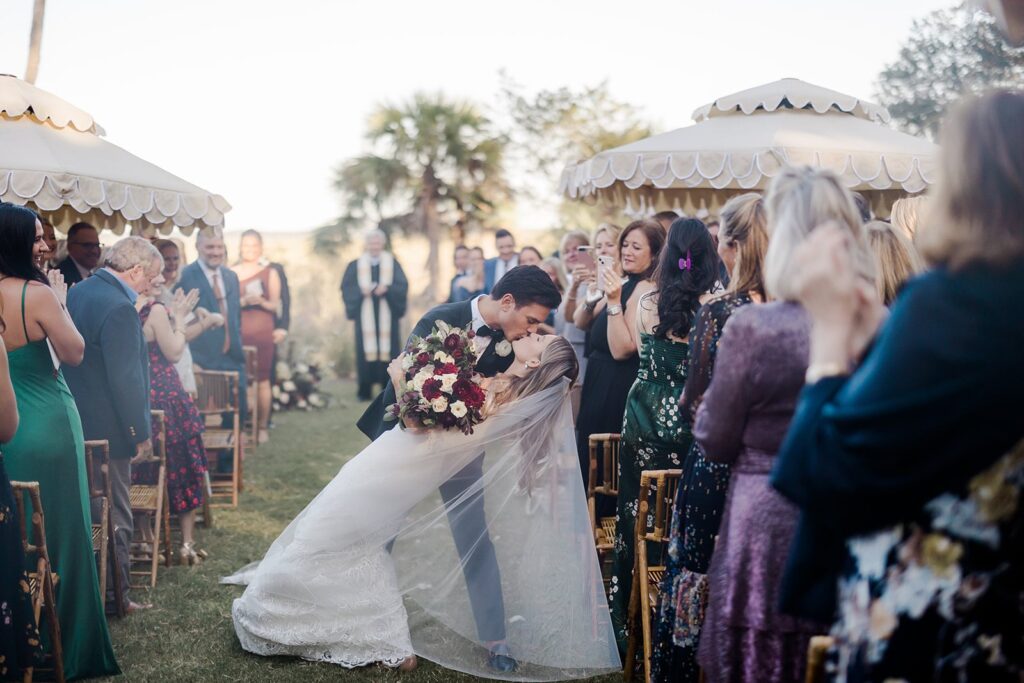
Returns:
<point x="740" y="141"/>
<point x="53" y="158"/>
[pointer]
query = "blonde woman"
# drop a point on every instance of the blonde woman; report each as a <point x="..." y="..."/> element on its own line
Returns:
<point x="896" y="260"/>
<point x="261" y="296"/>
<point x="906" y="215"/>
<point x="907" y="464"/>
<point x="741" y="422"/>
<point x="742" y="242"/>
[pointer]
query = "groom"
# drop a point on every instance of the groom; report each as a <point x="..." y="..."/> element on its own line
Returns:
<point x="519" y="302"/>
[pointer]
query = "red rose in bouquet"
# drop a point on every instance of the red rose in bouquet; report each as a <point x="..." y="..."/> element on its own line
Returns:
<point x="441" y="387"/>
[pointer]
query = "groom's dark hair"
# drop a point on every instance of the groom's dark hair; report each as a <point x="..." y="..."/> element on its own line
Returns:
<point x="528" y="285"/>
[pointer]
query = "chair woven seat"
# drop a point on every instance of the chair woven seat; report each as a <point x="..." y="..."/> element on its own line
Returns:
<point x="143" y="496"/>
<point x="218" y="438"/>
<point x="97" y="537"/>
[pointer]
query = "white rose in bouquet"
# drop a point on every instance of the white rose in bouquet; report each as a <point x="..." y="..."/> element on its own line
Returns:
<point x="443" y="357"/>
<point x="408" y="362"/>
<point x="458" y="409"/>
<point x="421" y="377"/>
<point x="439" y="404"/>
<point x="447" y="382"/>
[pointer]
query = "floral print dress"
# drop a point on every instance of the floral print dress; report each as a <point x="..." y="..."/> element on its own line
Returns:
<point x="940" y="598"/>
<point x="186" y="456"/>
<point x="696" y="514"/>
<point x="654" y="437"/>
<point x="19" y="637"/>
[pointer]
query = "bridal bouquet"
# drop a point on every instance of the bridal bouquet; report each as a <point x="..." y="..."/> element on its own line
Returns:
<point x="442" y="389"/>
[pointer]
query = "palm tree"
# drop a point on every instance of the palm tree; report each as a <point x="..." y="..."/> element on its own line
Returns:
<point x="35" y="41"/>
<point x="436" y="165"/>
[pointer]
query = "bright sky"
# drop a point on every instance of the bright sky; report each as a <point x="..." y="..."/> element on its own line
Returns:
<point x="260" y="101"/>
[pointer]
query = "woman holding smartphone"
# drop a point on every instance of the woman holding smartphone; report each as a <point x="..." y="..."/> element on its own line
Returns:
<point x="611" y="346"/>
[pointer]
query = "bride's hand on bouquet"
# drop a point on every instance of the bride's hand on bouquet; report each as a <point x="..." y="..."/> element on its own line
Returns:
<point x="396" y="372"/>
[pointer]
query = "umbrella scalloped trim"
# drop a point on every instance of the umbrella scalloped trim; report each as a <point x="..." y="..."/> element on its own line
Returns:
<point x="860" y="171"/>
<point x="109" y="203"/>
<point x="20" y="99"/>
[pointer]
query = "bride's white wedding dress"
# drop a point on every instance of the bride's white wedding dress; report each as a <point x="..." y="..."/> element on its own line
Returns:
<point x="369" y="572"/>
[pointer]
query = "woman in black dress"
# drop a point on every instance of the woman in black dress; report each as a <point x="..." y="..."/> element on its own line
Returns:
<point x="610" y="376"/>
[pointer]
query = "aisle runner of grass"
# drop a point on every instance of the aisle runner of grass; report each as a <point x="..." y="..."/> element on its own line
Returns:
<point x="188" y="635"/>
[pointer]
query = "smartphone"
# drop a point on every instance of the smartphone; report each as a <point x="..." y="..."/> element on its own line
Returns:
<point x="605" y="262"/>
<point x="586" y="257"/>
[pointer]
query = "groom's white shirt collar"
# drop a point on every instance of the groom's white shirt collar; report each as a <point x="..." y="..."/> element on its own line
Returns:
<point x="474" y="308"/>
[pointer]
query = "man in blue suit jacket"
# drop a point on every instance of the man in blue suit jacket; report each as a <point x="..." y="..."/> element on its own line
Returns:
<point x="219" y="348"/>
<point x="111" y="386"/>
<point x="507" y="259"/>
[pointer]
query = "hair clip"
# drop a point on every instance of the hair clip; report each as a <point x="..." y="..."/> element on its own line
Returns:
<point x="686" y="263"/>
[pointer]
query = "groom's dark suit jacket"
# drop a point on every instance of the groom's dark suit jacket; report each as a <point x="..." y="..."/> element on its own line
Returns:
<point x="459" y="314"/>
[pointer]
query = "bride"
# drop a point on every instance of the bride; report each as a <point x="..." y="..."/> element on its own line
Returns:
<point x="368" y="572"/>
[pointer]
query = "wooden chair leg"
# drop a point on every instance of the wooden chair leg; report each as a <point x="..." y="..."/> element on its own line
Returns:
<point x="154" y="555"/>
<point x="50" y="596"/>
<point x="113" y="566"/>
<point x="167" y="527"/>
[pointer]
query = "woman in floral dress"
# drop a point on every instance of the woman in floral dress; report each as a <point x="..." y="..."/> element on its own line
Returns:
<point x="909" y="469"/>
<point x="165" y="330"/>
<point x="653" y="435"/>
<point x="701" y="494"/>
<point x="19" y="637"/>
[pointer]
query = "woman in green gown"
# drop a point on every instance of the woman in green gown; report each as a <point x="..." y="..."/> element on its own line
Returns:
<point x="48" y="446"/>
<point x="654" y="434"/>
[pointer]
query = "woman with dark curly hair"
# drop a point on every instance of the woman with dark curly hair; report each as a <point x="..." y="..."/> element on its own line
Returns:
<point x="653" y="435"/>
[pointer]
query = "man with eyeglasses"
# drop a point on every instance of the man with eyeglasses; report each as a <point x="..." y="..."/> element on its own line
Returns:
<point x="84" y="250"/>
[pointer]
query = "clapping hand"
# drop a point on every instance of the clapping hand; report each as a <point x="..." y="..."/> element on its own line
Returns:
<point x="183" y="304"/>
<point x="59" y="287"/>
<point x="380" y="290"/>
<point x="209" y="320"/>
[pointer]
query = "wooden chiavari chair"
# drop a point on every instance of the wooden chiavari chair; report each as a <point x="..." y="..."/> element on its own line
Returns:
<point x="217" y="397"/>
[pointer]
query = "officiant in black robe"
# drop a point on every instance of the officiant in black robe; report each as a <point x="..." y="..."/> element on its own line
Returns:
<point x="375" y="292"/>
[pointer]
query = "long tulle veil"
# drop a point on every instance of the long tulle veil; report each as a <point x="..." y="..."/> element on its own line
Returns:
<point x="387" y="497"/>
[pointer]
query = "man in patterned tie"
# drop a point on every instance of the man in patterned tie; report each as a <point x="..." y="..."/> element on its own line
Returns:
<point x="217" y="348"/>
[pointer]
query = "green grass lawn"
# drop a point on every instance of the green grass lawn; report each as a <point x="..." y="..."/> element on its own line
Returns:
<point x="188" y="636"/>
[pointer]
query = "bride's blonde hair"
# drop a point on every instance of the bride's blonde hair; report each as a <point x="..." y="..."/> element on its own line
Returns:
<point x="557" y="361"/>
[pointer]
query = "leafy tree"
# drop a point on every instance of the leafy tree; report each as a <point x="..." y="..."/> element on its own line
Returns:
<point x="950" y="53"/>
<point x="435" y="165"/>
<point x="551" y="128"/>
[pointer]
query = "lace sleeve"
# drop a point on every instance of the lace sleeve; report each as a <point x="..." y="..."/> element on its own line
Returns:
<point x="701" y="361"/>
<point x="647" y="313"/>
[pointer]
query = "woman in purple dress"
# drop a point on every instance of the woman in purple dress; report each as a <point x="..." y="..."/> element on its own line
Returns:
<point x="762" y="358"/>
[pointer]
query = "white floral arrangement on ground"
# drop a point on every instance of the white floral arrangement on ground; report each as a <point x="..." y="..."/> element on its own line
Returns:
<point x="297" y="387"/>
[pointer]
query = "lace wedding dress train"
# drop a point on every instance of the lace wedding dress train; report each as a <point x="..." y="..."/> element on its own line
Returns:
<point x="369" y="571"/>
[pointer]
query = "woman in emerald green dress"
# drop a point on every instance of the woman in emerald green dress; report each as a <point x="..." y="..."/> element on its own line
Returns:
<point x="654" y="434"/>
<point x="48" y="446"/>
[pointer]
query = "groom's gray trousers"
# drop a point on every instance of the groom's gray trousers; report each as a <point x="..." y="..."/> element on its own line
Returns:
<point x="479" y="563"/>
